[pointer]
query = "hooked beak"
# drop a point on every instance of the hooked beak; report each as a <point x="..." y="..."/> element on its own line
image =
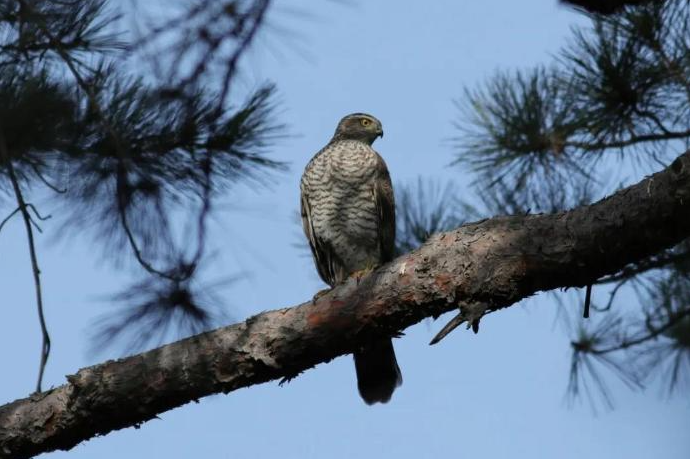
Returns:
<point x="379" y="133"/>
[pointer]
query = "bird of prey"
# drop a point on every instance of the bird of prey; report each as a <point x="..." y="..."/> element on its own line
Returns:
<point x="348" y="216"/>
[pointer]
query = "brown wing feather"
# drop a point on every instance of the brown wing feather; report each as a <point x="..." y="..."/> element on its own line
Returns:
<point x="324" y="258"/>
<point x="385" y="207"/>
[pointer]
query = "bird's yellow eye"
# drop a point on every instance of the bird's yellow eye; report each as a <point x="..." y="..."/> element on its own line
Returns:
<point x="365" y="122"/>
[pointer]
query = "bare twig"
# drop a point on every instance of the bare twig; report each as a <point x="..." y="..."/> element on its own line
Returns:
<point x="23" y="208"/>
<point x="470" y="313"/>
<point x="45" y="181"/>
<point x="259" y="14"/>
<point x="633" y="140"/>
<point x="215" y="42"/>
<point x="653" y="333"/>
<point x="37" y="214"/>
<point x="675" y="70"/>
<point x="588" y="301"/>
<point x="656" y="262"/>
<point x="9" y="217"/>
<point x="122" y="211"/>
<point x="452" y="324"/>
<point x="169" y="25"/>
<point x="612" y="295"/>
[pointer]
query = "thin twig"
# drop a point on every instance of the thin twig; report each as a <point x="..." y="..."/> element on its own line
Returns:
<point x="656" y="262"/>
<point x="37" y="214"/>
<point x="612" y="295"/>
<point x="169" y="25"/>
<point x="454" y="323"/>
<point x="633" y="140"/>
<point x="122" y="210"/>
<point x="588" y="301"/>
<point x="230" y="71"/>
<point x="46" y="182"/>
<point x="231" y="67"/>
<point x="470" y="313"/>
<point x="9" y="217"/>
<point x="23" y="208"/>
<point x="653" y="333"/>
<point x="672" y="66"/>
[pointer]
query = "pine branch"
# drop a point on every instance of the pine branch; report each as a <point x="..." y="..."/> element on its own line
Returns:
<point x="668" y="259"/>
<point x="59" y="48"/>
<point x="652" y="333"/>
<point x="258" y="15"/>
<point x="621" y="85"/>
<point x="634" y="140"/>
<point x="663" y="334"/>
<point x="213" y="145"/>
<point x="424" y="210"/>
<point x="209" y="36"/>
<point x="124" y="156"/>
<point x="496" y="262"/>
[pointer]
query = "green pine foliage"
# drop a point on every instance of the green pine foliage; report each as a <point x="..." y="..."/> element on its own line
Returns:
<point x="124" y="153"/>
<point x="546" y="140"/>
<point x="543" y="140"/>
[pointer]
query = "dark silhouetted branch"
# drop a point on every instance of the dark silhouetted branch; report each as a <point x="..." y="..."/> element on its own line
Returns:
<point x="23" y="208"/>
<point x="606" y="7"/>
<point x="634" y="140"/>
<point x="495" y="262"/>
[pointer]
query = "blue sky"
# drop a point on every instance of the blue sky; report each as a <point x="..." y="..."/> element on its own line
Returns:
<point x="497" y="394"/>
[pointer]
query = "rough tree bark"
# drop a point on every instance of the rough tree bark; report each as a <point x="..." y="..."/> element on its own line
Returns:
<point x="492" y="263"/>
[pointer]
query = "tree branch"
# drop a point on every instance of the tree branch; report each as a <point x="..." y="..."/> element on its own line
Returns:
<point x="653" y="332"/>
<point x="496" y="262"/>
<point x="633" y="140"/>
<point x="28" y="221"/>
<point x="23" y="209"/>
<point x="94" y="105"/>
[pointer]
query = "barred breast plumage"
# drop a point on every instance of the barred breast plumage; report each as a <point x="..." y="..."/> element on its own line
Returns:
<point x="339" y="183"/>
<point x="348" y="215"/>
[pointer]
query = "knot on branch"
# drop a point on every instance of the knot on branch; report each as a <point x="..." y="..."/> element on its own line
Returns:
<point x="471" y="313"/>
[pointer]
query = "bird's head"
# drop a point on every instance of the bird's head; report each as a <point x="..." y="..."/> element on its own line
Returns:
<point x="359" y="126"/>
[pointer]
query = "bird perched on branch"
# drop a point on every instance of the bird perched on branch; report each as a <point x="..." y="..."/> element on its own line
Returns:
<point x="348" y="216"/>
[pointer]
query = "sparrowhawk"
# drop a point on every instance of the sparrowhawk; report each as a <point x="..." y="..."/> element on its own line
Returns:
<point x="348" y="216"/>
